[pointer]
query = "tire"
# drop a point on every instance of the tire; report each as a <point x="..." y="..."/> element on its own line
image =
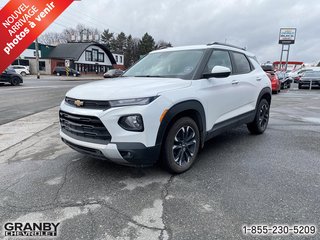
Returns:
<point x="15" y="81"/>
<point x="23" y="74"/>
<point x="58" y="74"/>
<point x="261" y="120"/>
<point x="181" y="145"/>
<point x="299" y="86"/>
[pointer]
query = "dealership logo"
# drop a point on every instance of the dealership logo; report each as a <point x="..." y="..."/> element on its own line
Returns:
<point x="19" y="229"/>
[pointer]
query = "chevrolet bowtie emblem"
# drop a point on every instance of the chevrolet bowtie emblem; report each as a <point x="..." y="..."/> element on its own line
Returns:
<point x="78" y="103"/>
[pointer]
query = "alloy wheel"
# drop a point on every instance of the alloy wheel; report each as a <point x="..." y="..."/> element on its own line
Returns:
<point x="184" y="145"/>
<point x="264" y="116"/>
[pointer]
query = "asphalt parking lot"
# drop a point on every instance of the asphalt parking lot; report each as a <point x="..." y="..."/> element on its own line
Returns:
<point x="239" y="179"/>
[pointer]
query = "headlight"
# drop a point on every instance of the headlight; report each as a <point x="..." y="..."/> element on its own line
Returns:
<point x="132" y="101"/>
<point x="132" y="123"/>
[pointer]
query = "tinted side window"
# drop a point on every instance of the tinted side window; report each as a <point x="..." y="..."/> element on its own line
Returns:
<point x="218" y="58"/>
<point x="241" y="63"/>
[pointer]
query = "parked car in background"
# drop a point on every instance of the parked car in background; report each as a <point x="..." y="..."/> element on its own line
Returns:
<point x="267" y="67"/>
<point x="10" y="76"/>
<point x="59" y="71"/>
<point x="296" y="76"/>
<point x="284" y="79"/>
<point x="275" y="82"/>
<point x="113" y="73"/>
<point x="22" y="70"/>
<point x="309" y="77"/>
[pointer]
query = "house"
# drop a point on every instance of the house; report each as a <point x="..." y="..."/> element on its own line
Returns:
<point x="85" y="57"/>
<point x="28" y="58"/>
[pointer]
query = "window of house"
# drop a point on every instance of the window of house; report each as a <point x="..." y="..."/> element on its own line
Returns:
<point x="117" y="58"/>
<point x="101" y="57"/>
<point x="88" y="56"/>
<point x="42" y="65"/>
<point x="121" y="59"/>
<point x="94" y="55"/>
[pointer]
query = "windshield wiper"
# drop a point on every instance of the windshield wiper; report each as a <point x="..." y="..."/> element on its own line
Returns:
<point x="150" y="76"/>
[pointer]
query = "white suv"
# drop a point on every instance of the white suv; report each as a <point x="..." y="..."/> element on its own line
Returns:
<point x="167" y="105"/>
<point x="22" y="70"/>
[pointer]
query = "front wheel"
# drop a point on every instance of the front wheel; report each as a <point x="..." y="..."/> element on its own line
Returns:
<point x="261" y="120"/>
<point x="181" y="145"/>
<point x="15" y="81"/>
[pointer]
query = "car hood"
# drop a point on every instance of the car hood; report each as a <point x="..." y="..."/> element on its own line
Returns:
<point x="126" y="87"/>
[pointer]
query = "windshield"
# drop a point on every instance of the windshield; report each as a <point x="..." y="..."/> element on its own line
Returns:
<point x="176" y="64"/>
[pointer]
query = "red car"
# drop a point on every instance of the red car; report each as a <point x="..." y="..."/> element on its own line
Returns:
<point x="275" y="82"/>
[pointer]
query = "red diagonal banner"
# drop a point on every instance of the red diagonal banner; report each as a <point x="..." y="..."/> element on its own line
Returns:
<point x="21" y="22"/>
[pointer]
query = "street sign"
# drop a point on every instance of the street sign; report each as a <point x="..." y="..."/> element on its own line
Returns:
<point x="287" y="35"/>
<point x="67" y="63"/>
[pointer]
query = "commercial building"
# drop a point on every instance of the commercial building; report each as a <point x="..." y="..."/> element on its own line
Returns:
<point x="85" y="57"/>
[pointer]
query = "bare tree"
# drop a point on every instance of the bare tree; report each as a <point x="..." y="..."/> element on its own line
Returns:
<point x="52" y="38"/>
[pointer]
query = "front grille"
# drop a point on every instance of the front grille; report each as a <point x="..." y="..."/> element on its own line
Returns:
<point x="84" y="128"/>
<point x="90" y="104"/>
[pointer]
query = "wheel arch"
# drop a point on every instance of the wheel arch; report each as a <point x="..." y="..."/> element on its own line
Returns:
<point x="189" y="108"/>
<point x="265" y="93"/>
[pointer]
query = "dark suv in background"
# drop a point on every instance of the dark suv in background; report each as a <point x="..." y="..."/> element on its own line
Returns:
<point x="10" y="76"/>
<point x="59" y="71"/>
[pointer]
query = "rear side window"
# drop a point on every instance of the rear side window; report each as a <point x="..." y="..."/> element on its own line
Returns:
<point x="218" y="58"/>
<point x="241" y="63"/>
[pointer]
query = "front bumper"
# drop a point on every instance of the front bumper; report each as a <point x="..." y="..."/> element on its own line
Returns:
<point x="130" y="154"/>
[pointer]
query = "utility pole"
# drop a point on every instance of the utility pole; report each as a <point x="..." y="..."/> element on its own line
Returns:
<point x="37" y="58"/>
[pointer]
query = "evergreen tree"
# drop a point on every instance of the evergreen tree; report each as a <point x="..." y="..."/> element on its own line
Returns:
<point x="106" y="37"/>
<point x="146" y="44"/>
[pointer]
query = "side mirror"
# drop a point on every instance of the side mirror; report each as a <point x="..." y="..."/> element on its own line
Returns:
<point x="218" y="72"/>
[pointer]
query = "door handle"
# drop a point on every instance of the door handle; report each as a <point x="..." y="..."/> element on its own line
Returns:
<point x="258" y="79"/>
<point x="235" y="82"/>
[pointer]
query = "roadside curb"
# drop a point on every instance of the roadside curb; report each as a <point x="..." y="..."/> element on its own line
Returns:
<point x="19" y="130"/>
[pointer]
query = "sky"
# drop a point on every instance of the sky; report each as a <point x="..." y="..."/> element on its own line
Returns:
<point x="254" y="24"/>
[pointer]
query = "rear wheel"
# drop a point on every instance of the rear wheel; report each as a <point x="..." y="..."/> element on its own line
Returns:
<point x="181" y="145"/>
<point x="58" y="74"/>
<point x="15" y="81"/>
<point x="261" y="120"/>
<point x="299" y="86"/>
<point x="23" y="73"/>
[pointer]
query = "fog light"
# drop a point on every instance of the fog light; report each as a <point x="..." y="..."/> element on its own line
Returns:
<point x="132" y="123"/>
<point x="126" y="155"/>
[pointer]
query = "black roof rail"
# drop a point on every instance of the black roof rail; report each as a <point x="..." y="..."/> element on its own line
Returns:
<point x="226" y="44"/>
